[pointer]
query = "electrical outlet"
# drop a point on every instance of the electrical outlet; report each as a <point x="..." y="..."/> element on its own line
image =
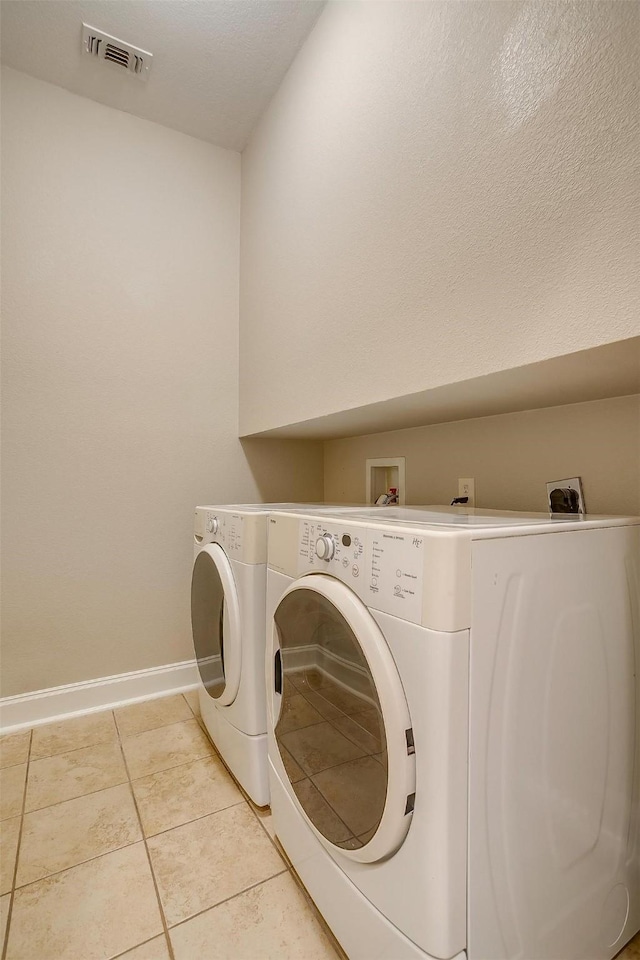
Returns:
<point x="565" y="496"/>
<point x="467" y="488"/>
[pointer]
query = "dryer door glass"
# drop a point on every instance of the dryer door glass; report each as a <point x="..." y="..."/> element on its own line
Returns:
<point x="330" y="731"/>
<point x="208" y="623"/>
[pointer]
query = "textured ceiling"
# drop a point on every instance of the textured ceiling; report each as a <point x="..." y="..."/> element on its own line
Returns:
<point x="216" y="63"/>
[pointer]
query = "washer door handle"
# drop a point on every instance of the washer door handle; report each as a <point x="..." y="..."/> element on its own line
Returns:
<point x="277" y="672"/>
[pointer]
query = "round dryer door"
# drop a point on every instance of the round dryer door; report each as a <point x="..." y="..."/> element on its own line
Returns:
<point x="341" y="720"/>
<point x="215" y="624"/>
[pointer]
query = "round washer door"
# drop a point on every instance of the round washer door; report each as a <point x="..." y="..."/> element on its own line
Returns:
<point x="215" y="624"/>
<point x="341" y="720"/>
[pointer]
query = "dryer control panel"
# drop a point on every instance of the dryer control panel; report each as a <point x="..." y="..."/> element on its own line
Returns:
<point x="242" y="536"/>
<point x="385" y="567"/>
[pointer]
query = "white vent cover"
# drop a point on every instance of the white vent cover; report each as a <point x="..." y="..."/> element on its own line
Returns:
<point x="123" y="55"/>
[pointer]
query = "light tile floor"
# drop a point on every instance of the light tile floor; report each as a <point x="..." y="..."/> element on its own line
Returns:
<point x="123" y="835"/>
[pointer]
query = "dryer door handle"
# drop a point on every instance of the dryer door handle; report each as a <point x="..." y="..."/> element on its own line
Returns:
<point x="277" y="672"/>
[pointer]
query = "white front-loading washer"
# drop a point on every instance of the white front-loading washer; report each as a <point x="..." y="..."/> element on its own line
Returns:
<point x="228" y="626"/>
<point x="453" y="705"/>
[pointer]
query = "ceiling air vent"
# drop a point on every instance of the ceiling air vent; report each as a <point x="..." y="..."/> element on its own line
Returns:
<point x="123" y="55"/>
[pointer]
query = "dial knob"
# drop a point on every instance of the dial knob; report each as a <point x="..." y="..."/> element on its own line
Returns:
<point x="212" y="525"/>
<point x="325" y="547"/>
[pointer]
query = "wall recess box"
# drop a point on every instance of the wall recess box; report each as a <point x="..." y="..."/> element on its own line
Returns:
<point x="383" y="473"/>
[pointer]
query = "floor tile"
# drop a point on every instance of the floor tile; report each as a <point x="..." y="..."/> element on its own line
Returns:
<point x="358" y="734"/>
<point x="264" y="816"/>
<point x="69" y="833"/>
<point x="318" y="747"/>
<point x="204" y="862"/>
<point x="4" y="913"/>
<point x="296" y="713"/>
<point x="345" y="699"/>
<point x="151" y="714"/>
<point x="74" y="774"/>
<point x="11" y="790"/>
<point x="96" y="910"/>
<point x="307" y="683"/>
<point x="73" y="734"/>
<point x="9" y="833"/>
<point x="632" y="950"/>
<point x="193" y="699"/>
<point x="370" y="719"/>
<point x="293" y="770"/>
<point x="320" y="813"/>
<point x="322" y="705"/>
<point x="356" y="791"/>
<point x="155" y="949"/>
<point x="14" y="748"/>
<point x="272" y="921"/>
<point x="165" y="747"/>
<point x="192" y="790"/>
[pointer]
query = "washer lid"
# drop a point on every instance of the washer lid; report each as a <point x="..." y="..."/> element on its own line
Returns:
<point x="343" y="720"/>
<point x="215" y="624"/>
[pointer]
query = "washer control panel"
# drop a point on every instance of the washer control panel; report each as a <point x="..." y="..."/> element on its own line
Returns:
<point x="385" y="567"/>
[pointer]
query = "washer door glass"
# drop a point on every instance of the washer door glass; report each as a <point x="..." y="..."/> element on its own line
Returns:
<point x="332" y="730"/>
<point x="215" y="624"/>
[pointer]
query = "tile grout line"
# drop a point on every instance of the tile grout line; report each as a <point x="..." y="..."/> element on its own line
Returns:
<point x="98" y="856"/>
<point x="5" y="945"/>
<point x="287" y="867"/>
<point x="103" y="743"/>
<point x="245" y="798"/>
<point x="10" y="766"/>
<point x="252" y="806"/>
<point x="333" y="940"/>
<point x="119" y="956"/>
<point x="290" y="868"/>
<point x="329" y="720"/>
<point x="146" y="847"/>
<point x="233" y="896"/>
<point x="310" y="902"/>
<point x="130" y="843"/>
<point x="81" y="796"/>
<point x="254" y="810"/>
<point x="193" y="713"/>
<point x="212" y="813"/>
<point x="100" y="789"/>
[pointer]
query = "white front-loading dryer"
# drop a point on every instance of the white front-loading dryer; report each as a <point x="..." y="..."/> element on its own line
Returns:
<point x="452" y="726"/>
<point x="228" y="627"/>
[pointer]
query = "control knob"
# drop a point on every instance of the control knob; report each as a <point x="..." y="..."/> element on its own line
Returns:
<point x="325" y="547"/>
<point x="212" y="525"/>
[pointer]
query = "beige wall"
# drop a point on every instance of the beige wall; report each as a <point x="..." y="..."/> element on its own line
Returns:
<point x="120" y="309"/>
<point x="438" y="191"/>
<point x="511" y="457"/>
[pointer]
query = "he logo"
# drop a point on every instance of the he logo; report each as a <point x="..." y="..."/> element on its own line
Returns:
<point x="417" y="542"/>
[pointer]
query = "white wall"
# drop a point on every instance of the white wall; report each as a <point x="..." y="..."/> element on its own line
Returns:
<point x="511" y="457"/>
<point x="438" y="191"/>
<point x="120" y="304"/>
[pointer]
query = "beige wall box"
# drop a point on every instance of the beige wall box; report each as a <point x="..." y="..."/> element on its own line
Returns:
<point x="384" y="474"/>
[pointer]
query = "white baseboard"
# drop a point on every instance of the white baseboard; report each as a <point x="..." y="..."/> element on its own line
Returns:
<point x="89" y="696"/>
